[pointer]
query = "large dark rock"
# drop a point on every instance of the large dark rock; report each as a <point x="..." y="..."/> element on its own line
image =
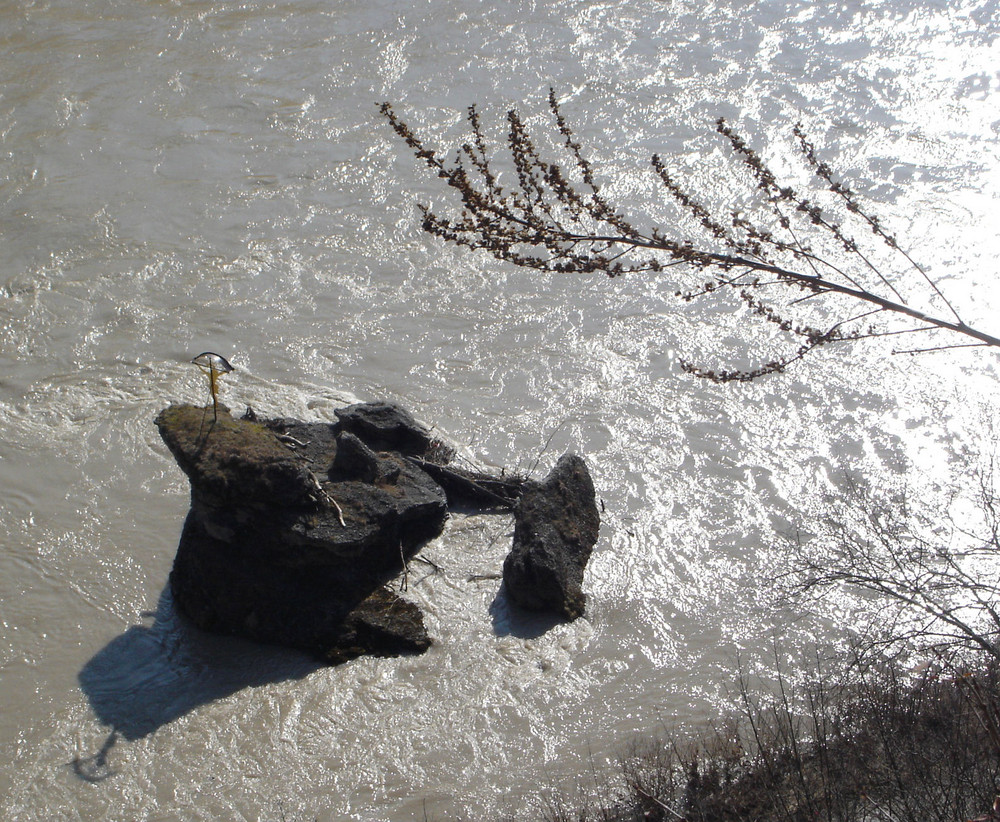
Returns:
<point x="233" y="462"/>
<point x="261" y="590"/>
<point x="293" y="531"/>
<point x="556" y="523"/>
<point x="385" y="427"/>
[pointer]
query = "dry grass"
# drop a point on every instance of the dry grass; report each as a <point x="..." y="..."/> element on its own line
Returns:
<point x="873" y="745"/>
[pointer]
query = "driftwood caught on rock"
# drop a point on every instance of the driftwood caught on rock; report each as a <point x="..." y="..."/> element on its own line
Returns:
<point x="473" y="487"/>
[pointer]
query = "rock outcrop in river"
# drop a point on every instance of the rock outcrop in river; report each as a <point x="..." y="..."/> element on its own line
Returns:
<point x="555" y="529"/>
<point x="296" y="528"/>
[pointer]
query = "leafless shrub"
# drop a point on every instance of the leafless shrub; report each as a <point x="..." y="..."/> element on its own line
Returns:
<point x="875" y="746"/>
<point x="935" y="577"/>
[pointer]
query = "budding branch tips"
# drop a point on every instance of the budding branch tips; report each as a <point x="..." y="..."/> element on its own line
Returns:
<point x="779" y="258"/>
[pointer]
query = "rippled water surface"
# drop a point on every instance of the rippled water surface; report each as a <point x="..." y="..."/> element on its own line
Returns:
<point x="182" y="176"/>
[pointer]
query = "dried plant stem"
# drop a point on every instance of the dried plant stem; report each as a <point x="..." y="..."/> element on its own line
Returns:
<point x="559" y="220"/>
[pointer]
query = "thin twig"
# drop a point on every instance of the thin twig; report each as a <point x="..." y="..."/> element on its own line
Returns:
<point x="406" y="568"/>
<point x="318" y="487"/>
<point x="657" y="802"/>
<point x="942" y="348"/>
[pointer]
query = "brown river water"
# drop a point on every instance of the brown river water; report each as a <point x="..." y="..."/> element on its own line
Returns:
<point x="199" y="175"/>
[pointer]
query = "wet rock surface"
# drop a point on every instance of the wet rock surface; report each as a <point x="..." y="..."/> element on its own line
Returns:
<point x="293" y="531"/>
<point x="556" y="523"/>
<point x="385" y="427"/>
<point x="296" y="528"/>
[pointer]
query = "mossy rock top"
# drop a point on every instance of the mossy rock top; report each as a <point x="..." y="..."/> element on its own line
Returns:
<point x="234" y="461"/>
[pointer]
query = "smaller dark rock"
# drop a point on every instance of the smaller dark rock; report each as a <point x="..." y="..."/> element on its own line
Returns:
<point x="422" y="503"/>
<point x="354" y="460"/>
<point x="556" y="524"/>
<point x="385" y="427"/>
<point x="364" y="549"/>
<point x="383" y="625"/>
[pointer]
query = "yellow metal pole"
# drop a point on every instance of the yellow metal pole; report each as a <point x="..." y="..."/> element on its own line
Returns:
<point x="215" y="400"/>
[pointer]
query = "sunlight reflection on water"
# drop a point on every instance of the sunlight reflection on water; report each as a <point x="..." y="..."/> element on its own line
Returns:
<point x="206" y="177"/>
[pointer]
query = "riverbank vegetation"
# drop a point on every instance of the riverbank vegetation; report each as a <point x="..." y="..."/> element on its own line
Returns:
<point x="879" y="744"/>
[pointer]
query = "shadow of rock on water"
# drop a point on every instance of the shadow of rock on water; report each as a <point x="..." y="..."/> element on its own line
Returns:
<point x="150" y="676"/>
<point x="511" y="620"/>
<point x="95" y="768"/>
